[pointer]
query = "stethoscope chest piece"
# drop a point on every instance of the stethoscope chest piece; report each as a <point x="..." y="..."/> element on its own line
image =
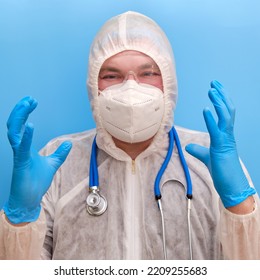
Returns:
<point x="96" y="203"/>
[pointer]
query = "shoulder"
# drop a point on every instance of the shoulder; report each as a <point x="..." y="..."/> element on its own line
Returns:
<point x="188" y="136"/>
<point x="200" y="175"/>
<point x="79" y="140"/>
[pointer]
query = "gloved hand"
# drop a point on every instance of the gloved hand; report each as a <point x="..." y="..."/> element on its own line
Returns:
<point x="222" y="158"/>
<point x="32" y="173"/>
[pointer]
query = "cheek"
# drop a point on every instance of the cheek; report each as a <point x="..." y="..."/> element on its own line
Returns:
<point x="101" y="84"/>
<point x="158" y="84"/>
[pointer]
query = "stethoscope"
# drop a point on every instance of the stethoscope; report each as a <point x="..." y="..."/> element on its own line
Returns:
<point x="96" y="203"/>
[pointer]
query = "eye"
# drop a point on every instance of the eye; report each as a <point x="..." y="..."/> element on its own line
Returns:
<point x="110" y="77"/>
<point x="149" y="75"/>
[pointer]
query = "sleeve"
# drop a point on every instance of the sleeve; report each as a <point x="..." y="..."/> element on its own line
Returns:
<point x="21" y="243"/>
<point x="34" y="240"/>
<point x="49" y="201"/>
<point x="240" y="234"/>
<point x="48" y="204"/>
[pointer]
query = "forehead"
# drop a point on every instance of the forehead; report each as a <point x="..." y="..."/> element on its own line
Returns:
<point x="129" y="59"/>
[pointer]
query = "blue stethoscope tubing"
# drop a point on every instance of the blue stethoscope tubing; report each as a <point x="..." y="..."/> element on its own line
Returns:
<point x="93" y="169"/>
<point x="173" y="138"/>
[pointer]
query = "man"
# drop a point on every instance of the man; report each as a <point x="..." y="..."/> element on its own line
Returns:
<point x="132" y="89"/>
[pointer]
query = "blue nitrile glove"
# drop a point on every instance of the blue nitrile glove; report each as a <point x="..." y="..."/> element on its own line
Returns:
<point x="32" y="173"/>
<point x="222" y="158"/>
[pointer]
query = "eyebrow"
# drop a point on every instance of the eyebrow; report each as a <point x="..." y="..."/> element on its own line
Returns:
<point x="149" y="65"/>
<point x="141" y="67"/>
<point x="109" y="69"/>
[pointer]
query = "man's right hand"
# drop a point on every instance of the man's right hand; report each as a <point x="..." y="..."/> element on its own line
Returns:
<point x="32" y="173"/>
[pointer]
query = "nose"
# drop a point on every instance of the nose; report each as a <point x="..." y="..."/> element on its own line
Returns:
<point x="131" y="75"/>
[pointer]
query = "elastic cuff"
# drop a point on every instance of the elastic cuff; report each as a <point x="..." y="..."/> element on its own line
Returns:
<point x="230" y="201"/>
<point x="18" y="216"/>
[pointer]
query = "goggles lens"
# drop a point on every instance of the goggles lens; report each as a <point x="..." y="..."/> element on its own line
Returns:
<point x="111" y="76"/>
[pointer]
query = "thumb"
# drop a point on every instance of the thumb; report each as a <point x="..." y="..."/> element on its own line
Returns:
<point x="60" y="155"/>
<point x="199" y="152"/>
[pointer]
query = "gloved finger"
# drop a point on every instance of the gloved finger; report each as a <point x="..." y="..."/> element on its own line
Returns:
<point x="199" y="152"/>
<point x="225" y="97"/>
<point x="212" y="126"/>
<point x="18" y="118"/>
<point x="60" y="155"/>
<point x="28" y="99"/>
<point x="26" y="142"/>
<point x="224" y="118"/>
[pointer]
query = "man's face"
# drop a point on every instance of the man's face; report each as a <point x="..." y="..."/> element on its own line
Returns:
<point x="127" y="65"/>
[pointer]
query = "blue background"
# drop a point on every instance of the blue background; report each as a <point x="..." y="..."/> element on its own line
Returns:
<point x="44" y="51"/>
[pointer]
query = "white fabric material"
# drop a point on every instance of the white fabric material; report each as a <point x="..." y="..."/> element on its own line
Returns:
<point x="21" y="243"/>
<point x="131" y="112"/>
<point x="131" y="226"/>
<point x="132" y="31"/>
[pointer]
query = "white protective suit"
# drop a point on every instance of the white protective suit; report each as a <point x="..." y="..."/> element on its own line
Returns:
<point x="131" y="226"/>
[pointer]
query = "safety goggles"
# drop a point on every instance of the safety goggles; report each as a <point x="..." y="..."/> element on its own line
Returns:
<point x="147" y="74"/>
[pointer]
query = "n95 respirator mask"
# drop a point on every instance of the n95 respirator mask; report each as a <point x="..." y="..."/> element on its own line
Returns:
<point x="131" y="112"/>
